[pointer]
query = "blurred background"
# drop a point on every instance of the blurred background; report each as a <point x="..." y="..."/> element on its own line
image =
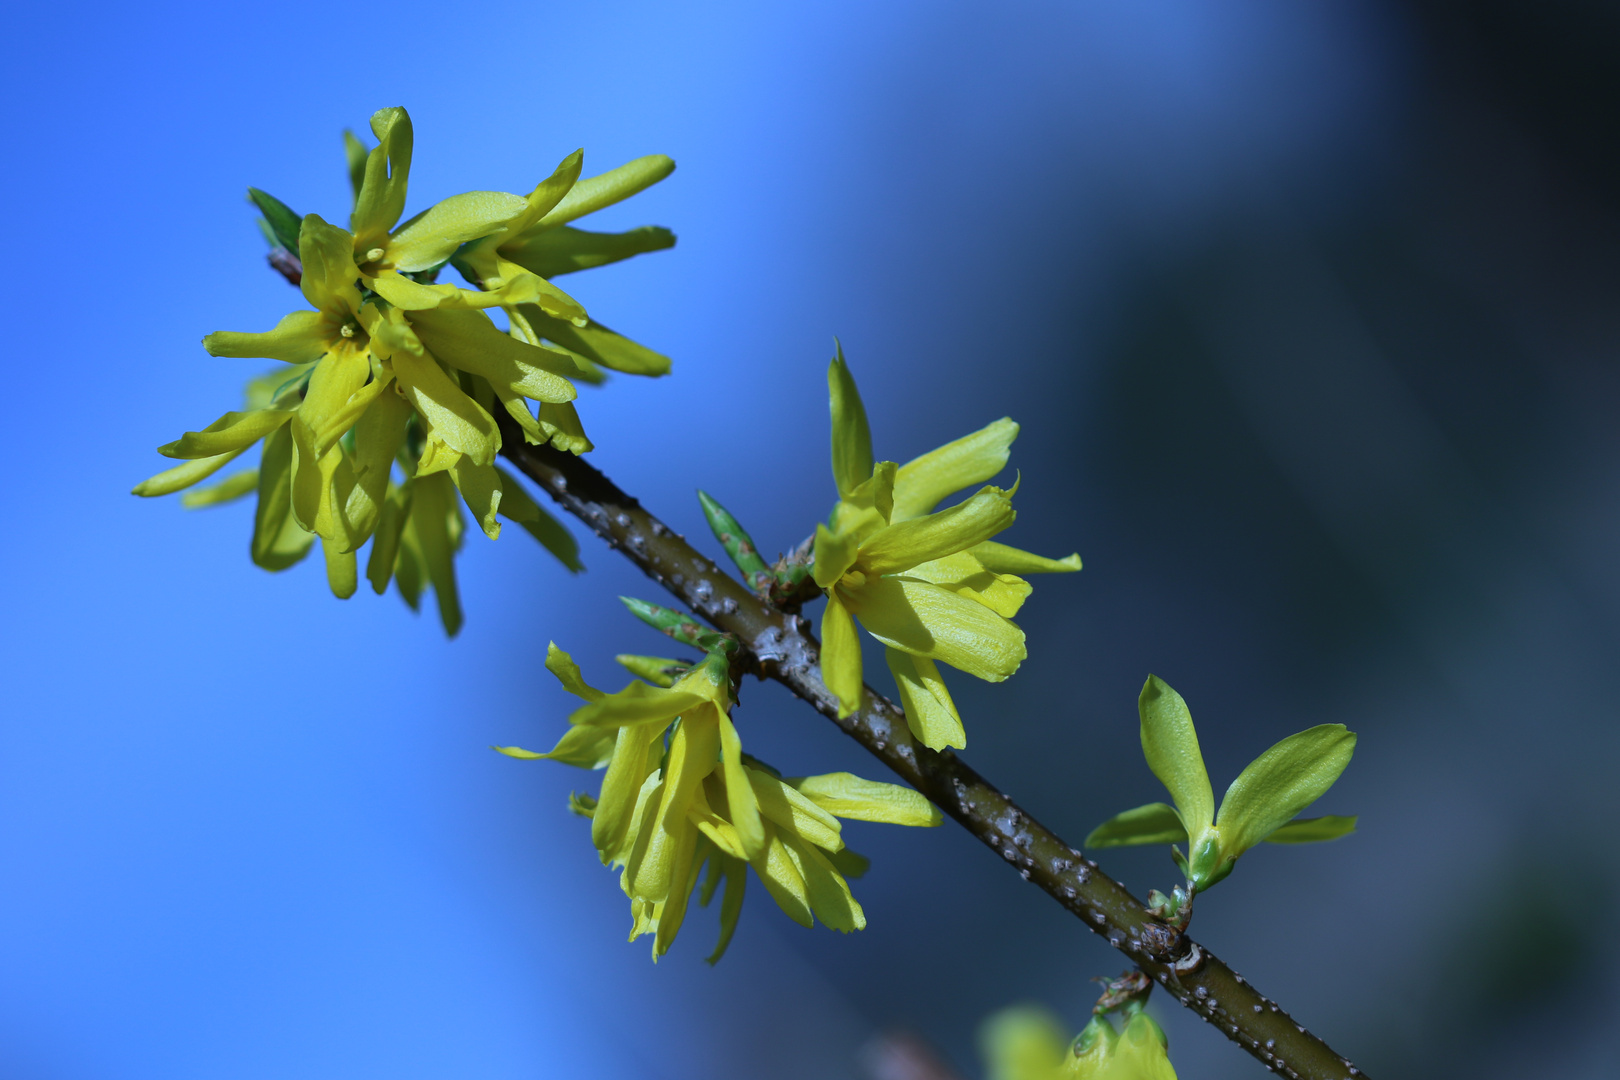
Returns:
<point x="1308" y="311"/>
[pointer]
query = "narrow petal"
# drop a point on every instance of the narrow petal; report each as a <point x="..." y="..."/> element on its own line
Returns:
<point x="230" y="489"/>
<point x="329" y="274"/>
<point x="1001" y="559"/>
<point x="385" y="539"/>
<point x="598" y="344"/>
<point x="230" y="434"/>
<point x="965" y="575"/>
<point x="592" y="194"/>
<point x="637" y="703"/>
<point x="516" y="505"/>
<point x="928" y="621"/>
<point x="905" y="544"/>
<point x="841" y="656"/>
<point x="435" y="517"/>
<point x="793" y="813"/>
<point x="341" y="571"/>
<point x="780" y="875"/>
<point x="480" y="487"/>
<point x="849" y="796"/>
<point x="742" y="804"/>
<point x="693" y="751"/>
<point x="379" y="434"/>
<point x="829" y="895"/>
<point x="278" y="540"/>
<point x="680" y="888"/>
<point x="922" y="482"/>
<point x="406" y="294"/>
<point x="429" y="239"/>
<point x="930" y="712"/>
<point x="381" y="199"/>
<point x="458" y="420"/>
<point x="469" y="341"/>
<point x="559" y="422"/>
<point x="627" y="774"/>
<point x="563" y="250"/>
<point x="169" y="481"/>
<point x="567" y="672"/>
<point x="299" y="338"/>
<point x="835" y="553"/>
<point x="730" y="904"/>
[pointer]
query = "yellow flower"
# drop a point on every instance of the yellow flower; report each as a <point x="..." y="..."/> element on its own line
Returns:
<point x="1026" y="1043"/>
<point x="932" y="586"/>
<point x="390" y="368"/>
<point x="679" y="795"/>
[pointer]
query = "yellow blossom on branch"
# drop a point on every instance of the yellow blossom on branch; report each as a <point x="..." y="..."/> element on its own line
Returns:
<point x="679" y="795"/>
<point x="932" y="586"/>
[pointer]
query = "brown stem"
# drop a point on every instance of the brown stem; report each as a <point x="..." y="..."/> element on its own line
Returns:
<point x="782" y="647"/>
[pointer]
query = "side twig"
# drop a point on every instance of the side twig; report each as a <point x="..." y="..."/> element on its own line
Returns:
<point x="780" y="646"/>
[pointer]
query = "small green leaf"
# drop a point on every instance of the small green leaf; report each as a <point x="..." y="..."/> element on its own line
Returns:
<point x="1170" y="745"/>
<point x="851" y="436"/>
<point x="283" y="222"/>
<point x="1280" y="783"/>
<point x="738" y="544"/>
<point x="1313" y="830"/>
<point x="1154" y="823"/>
<point x="679" y="626"/>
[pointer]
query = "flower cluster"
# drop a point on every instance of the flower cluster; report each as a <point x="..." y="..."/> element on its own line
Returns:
<point x="1025" y="1043"/>
<point x="390" y="368"/>
<point x="933" y="587"/>
<point x="680" y="802"/>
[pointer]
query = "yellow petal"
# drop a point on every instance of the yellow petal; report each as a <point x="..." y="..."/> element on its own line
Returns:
<point x="480" y="487"/>
<point x="1001" y="559"/>
<point x="378" y="435"/>
<point x="928" y="621"/>
<point x="779" y="873"/>
<point x="299" y="338"/>
<point x="432" y="237"/>
<point x="385" y="540"/>
<point x="469" y="341"/>
<point x="848" y="796"/>
<point x="742" y="804"/>
<point x="382" y="188"/>
<point x="278" y="540"/>
<point x="835" y="554"/>
<point x="922" y="482"/>
<point x="590" y="195"/>
<point x="341" y="571"/>
<point x="627" y="775"/>
<point x="169" y="481"/>
<point x="841" y="656"/>
<point x="730" y="904"/>
<point x="965" y="575"/>
<point x="231" y="488"/>
<point x="457" y="418"/>
<point x="905" y="544"/>
<point x="230" y="434"/>
<point x="567" y="672"/>
<point x="638" y="703"/>
<point x="930" y="712"/>
<point x="828" y="892"/>
<point x="329" y="276"/>
<point x="434" y="529"/>
<point x="405" y="294"/>
<point x="559" y="423"/>
<point x="794" y="814"/>
<point x="680" y="888"/>
<point x="693" y="750"/>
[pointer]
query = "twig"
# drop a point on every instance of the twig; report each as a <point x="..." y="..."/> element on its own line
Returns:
<point x="781" y="647"/>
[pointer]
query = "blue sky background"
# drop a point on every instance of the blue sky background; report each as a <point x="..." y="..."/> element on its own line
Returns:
<point x="1306" y="309"/>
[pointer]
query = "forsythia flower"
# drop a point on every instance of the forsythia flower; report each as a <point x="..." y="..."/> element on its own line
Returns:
<point x="1027" y="1044"/>
<point x="679" y="794"/>
<point x="933" y="587"/>
<point x="390" y="369"/>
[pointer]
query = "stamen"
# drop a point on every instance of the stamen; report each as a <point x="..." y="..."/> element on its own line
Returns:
<point x="374" y="254"/>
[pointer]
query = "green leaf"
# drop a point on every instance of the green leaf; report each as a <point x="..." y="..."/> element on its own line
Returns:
<point x="283" y="222"/>
<point x="1171" y="747"/>
<point x="735" y="539"/>
<point x="851" y="436"/>
<point x="1280" y="783"/>
<point x="1154" y="823"/>
<point x="1313" y="830"/>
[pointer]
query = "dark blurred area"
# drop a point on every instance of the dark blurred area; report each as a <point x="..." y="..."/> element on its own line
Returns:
<point x="1345" y="449"/>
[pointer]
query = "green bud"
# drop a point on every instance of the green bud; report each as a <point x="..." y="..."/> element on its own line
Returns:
<point x="738" y="544"/>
